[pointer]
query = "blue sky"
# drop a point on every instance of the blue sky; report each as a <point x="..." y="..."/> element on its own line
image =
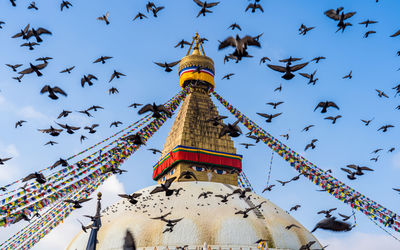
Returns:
<point x="78" y="39"/>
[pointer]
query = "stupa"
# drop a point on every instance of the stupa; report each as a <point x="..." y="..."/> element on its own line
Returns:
<point x="202" y="212"/>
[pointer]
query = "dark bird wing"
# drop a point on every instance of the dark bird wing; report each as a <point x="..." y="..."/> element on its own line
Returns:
<point x="45" y="89"/>
<point x="250" y="41"/>
<point x="172" y="64"/>
<point x="43" y="31"/>
<point x="145" y="108"/>
<point x="305" y="75"/>
<point x="321" y="104"/>
<point x="275" y="115"/>
<point x="332" y="14"/>
<point x="332" y="104"/>
<point x="169" y="182"/>
<point x="264" y="115"/>
<point x="198" y="2"/>
<point x="298" y="66"/>
<point x="29" y="177"/>
<point x="160" y="64"/>
<point x="346" y="170"/>
<point x="84" y="200"/>
<point x="348" y="15"/>
<point x="230" y="41"/>
<point x="60" y="91"/>
<point x="396" y="34"/>
<point x="277" y="68"/>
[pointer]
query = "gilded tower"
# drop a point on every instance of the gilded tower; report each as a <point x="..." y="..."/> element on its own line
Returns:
<point x="193" y="143"/>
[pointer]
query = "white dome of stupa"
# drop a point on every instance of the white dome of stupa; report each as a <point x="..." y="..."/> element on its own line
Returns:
<point x="205" y="220"/>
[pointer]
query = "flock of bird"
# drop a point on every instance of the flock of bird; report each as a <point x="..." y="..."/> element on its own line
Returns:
<point x="239" y="46"/>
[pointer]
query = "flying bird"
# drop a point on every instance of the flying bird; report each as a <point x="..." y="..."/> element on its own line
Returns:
<point x="381" y="93"/>
<point x="326" y="105"/>
<point x="154" y="151"/>
<point x="116" y="124"/>
<point x="287" y="69"/>
<point x="29" y="45"/>
<point x="264" y="59"/>
<point x="311" y="77"/>
<point x="367" y="22"/>
<point x="113" y="90"/>
<point x="167" y="66"/>
<point x="317" y="59"/>
<point x="204" y="7"/>
<point x="23" y="33"/>
<point x="294" y="208"/>
<point x="307" y="128"/>
<point x="4" y="160"/>
<point x="311" y="144"/>
<point x="366" y="35"/>
<point x="232" y="130"/>
<point x="333" y="225"/>
<point x="37" y="33"/>
<point x="77" y="203"/>
<point x="39" y="177"/>
<point x="140" y="16"/>
<point x="216" y="120"/>
<point x="240" y="45"/>
<point x="131" y="197"/>
<point x="91" y="128"/>
<point x="67" y="70"/>
<point x="14" y="67"/>
<point x="157" y="110"/>
<point x="268" y="188"/>
<point x="274" y="104"/>
<point x="253" y="7"/>
<point x="88" y="79"/>
<point x="182" y="43"/>
<point x="333" y="118"/>
<point x="164" y="187"/>
<point x="338" y="15"/>
<point x="359" y="169"/>
<point x="385" y="128"/>
<point x="70" y="129"/>
<point x="351" y="174"/>
<point x="104" y="18"/>
<point x="52" y="131"/>
<point x="349" y="76"/>
<point x="102" y="59"/>
<point x="52" y="91"/>
<point x="247" y="145"/>
<point x="65" y="4"/>
<point x="235" y="26"/>
<point x="32" y="5"/>
<point x="135" y="105"/>
<point x="269" y="116"/>
<point x="19" y="123"/>
<point x="228" y="76"/>
<point x="304" y="29"/>
<point x="367" y="122"/>
<point x="64" y="113"/>
<point x="187" y="175"/>
<point x="34" y="68"/>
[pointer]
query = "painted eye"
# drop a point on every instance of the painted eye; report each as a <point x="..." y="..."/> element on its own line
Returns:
<point x="172" y="172"/>
<point x="219" y="171"/>
<point x="198" y="169"/>
<point x="163" y="179"/>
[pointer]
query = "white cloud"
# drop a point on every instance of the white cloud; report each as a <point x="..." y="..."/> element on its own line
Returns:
<point x="364" y="241"/>
<point x="31" y="112"/>
<point x="27" y="112"/>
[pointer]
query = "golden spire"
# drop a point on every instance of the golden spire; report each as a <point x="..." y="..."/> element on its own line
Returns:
<point x="196" y="66"/>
